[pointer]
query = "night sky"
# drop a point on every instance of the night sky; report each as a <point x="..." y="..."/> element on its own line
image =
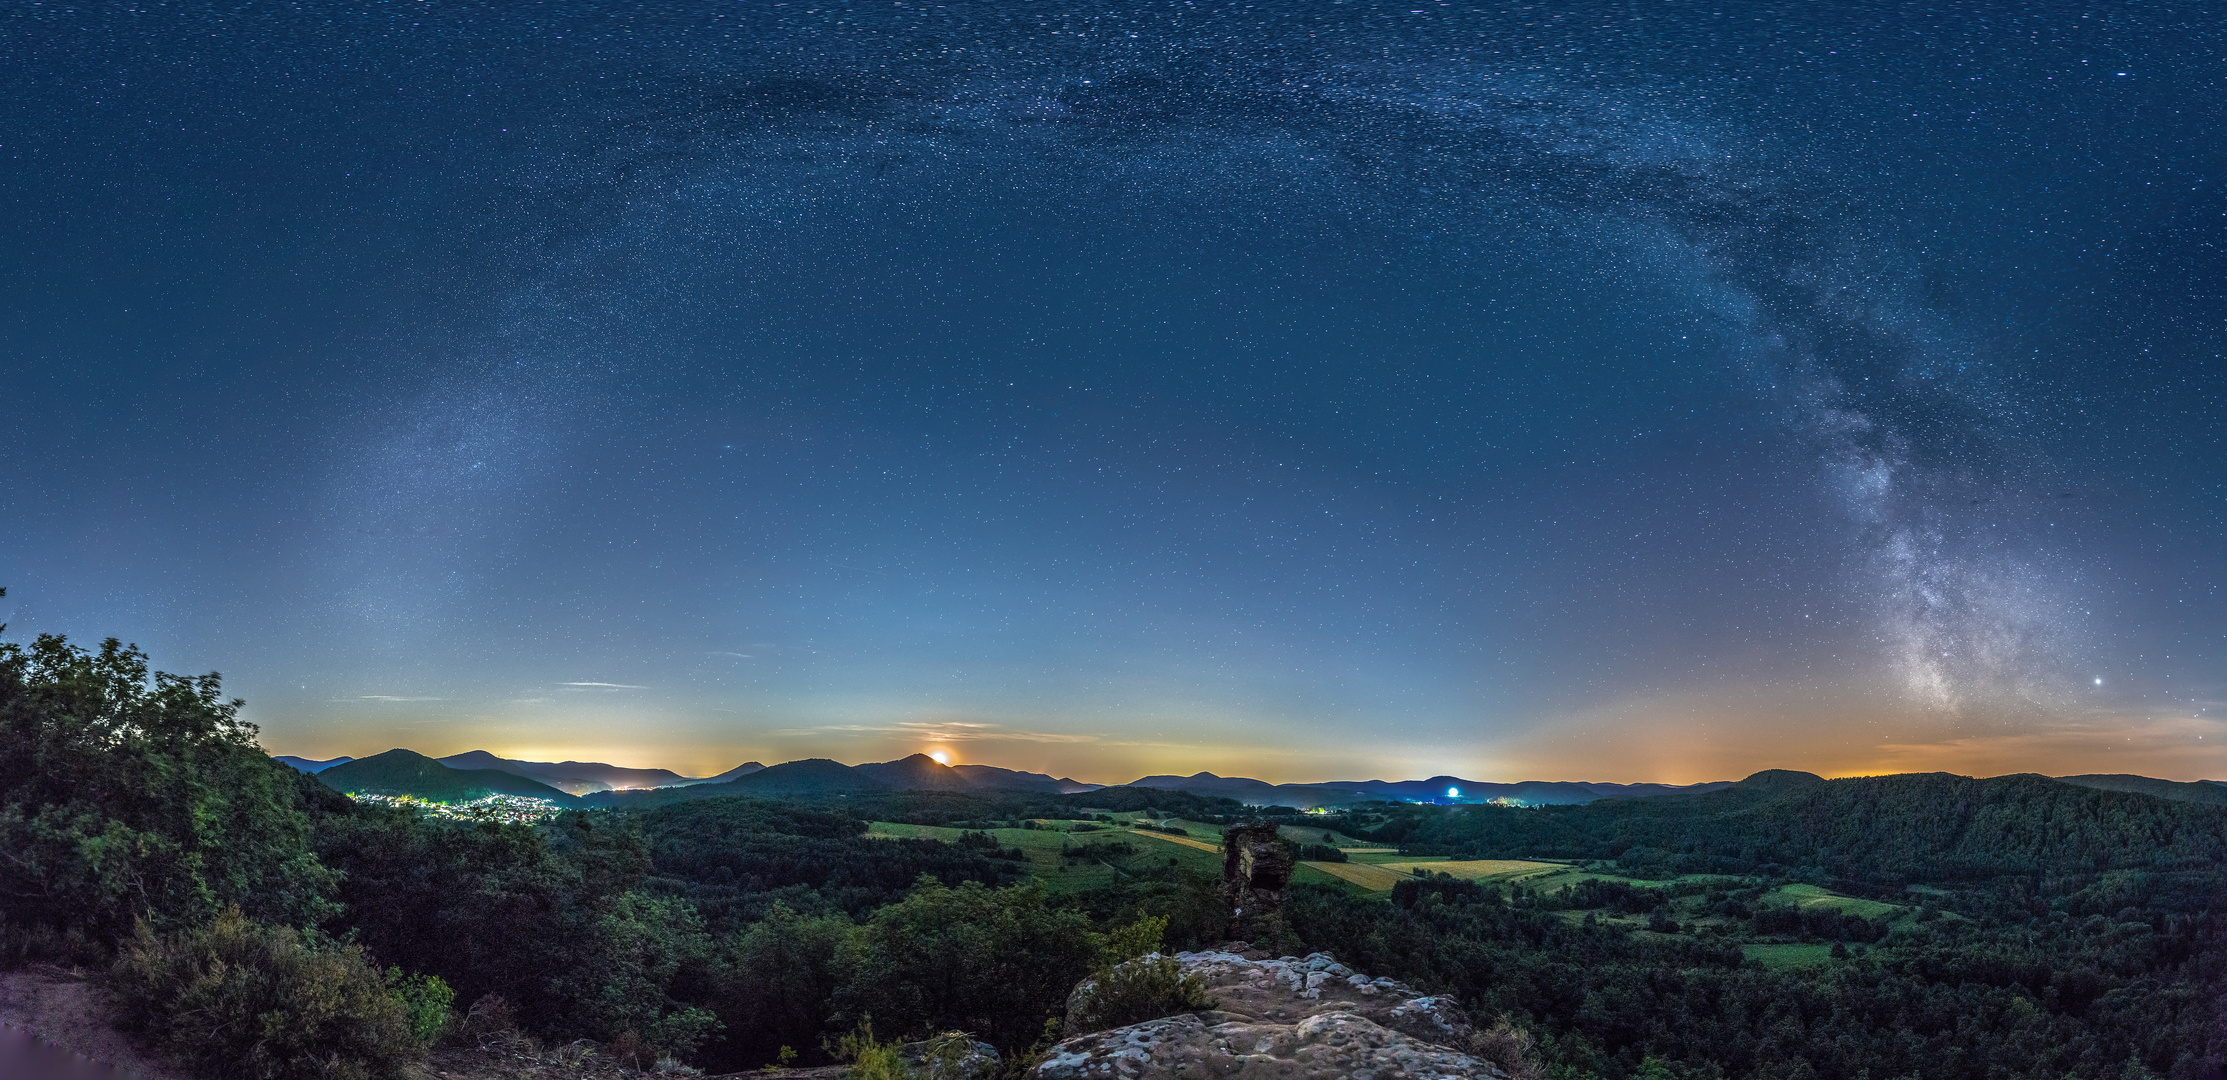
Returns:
<point x="1649" y="391"/>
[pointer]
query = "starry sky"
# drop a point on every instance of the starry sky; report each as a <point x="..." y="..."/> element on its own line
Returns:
<point x="1308" y="390"/>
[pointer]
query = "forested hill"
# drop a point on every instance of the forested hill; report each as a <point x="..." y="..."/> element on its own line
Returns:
<point x="2200" y="791"/>
<point x="405" y="772"/>
<point x="1887" y="830"/>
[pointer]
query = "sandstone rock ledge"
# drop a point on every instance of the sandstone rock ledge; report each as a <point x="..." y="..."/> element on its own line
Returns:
<point x="1290" y="1017"/>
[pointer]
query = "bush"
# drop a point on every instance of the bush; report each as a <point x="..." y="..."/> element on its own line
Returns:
<point x="235" y="998"/>
<point x="425" y="1003"/>
<point x="1133" y="992"/>
<point x="1134" y="983"/>
<point x="1320" y="853"/>
<point x="867" y="1058"/>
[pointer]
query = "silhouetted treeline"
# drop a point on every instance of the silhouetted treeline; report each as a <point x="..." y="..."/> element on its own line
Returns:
<point x="1882" y="830"/>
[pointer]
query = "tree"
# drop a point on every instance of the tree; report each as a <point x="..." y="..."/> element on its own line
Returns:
<point x="996" y="962"/>
<point x="129" y="795"/>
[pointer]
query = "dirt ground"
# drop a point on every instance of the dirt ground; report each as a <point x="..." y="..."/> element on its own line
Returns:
<point x="65" y="1008"/>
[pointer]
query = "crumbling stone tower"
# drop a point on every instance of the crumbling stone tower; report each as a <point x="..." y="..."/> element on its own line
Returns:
<point x="1256" y="872"/>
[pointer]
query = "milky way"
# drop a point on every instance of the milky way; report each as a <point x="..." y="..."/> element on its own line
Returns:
<point x="1135" y="384"/>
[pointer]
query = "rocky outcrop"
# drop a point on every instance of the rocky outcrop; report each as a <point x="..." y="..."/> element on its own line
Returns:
<point x="1308" y="1017"/>
<point x="1256" y="872"/>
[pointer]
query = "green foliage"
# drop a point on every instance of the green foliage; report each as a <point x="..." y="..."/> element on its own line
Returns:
<point x="1885" y="830"/>
<point x="1134" y="940"/>
<point x="997" y="962"/>
<point x="2030" y="998"/>
<point x="235" y="998"/>
<point x="867" y="1058"/>
<point x="127" y="794"/>
<point x="545" y="917"/>
<point x="623" y="982"/>
<point x="778" y="978"/>
<point x="1321" y="853"/>
<point x="425" y="1003"/>
<point x="1133" y="983"/>
<point x="734" y="858"/>
<point x="1132" y="992"/>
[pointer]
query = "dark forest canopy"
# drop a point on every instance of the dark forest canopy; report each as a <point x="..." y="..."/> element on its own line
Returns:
<point x="1888" y="830"/>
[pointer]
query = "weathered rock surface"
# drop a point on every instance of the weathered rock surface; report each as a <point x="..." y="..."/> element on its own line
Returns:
<point x="1289" y="1017"/>
<point x="1256" y="873"/>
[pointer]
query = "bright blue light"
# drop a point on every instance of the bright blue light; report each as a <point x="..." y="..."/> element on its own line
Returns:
<point x="1453" y="793"/>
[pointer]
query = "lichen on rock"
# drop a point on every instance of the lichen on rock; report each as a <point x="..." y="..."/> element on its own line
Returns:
<point x="1287" y="1017"/>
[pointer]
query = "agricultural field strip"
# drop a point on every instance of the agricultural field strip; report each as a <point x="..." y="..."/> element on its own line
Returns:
<point x="1367" y="875"/>
<point x="1183" y="840"/>
<point x="1810" y="896"/>
<point x="1477" y="869"/>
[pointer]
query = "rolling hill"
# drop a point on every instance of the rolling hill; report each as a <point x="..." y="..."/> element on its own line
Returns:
<point x="1910" y="827"/>
<point x="992" y="778"/>
<point x="583" y="777"/>
<point x="2211" y="792"/>
<point x="406" y="772"/>
<point x="310" y="765"/>
<point x="1449" y="789"/>
<point x="821" y="776"/>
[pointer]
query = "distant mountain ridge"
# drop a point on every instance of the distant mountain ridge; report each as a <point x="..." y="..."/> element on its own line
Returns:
<point x="2211" y="792"/>
<point x="598" y="784"/>
<point x="407" y="772"/>
<point x="310" y="765"/>
<point x="1450" y="789"/>
<point x="817" y="776"/>
<point x="585" y="777"/>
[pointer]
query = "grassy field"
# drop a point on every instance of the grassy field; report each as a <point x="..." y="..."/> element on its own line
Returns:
<point x="1187" y="851"/>
<point x="1479" y="869"/>
<point x="1044" y="848"/>
<point x="1311" y="834"/>
<point x="1187" y="841"/>
<point x="1810" y="896"/>
<point x="1310" y="873"/>
<point x="1788" y="956"/>
<point x="1380" y="856"/>
<point x="1367" y="875"/>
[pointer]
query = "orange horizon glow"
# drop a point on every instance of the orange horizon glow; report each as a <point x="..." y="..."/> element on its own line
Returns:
<point x="2179" y="749"/>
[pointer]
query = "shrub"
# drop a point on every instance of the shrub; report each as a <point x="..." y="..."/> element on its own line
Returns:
<point x="425" y="1002"/>
<point x="1134" y="983"/>
<point x="235" y="998"/>
<point x="1135" y="991"/>
<point x="868" y="1059"/>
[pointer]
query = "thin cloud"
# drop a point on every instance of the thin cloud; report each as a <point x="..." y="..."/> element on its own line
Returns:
<point x="948" y="731"/>
<point x="387" y="697"/>
<point x="601" y="686"/>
